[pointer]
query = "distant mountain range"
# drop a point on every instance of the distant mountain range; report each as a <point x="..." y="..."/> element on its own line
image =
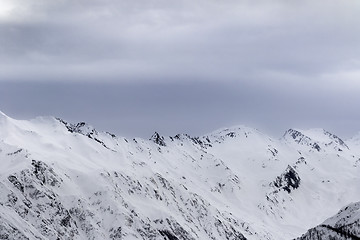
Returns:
<point x="60" y="180"/>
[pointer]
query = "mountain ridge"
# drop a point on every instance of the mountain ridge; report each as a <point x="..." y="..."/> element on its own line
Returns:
<point x="63" y="179"/>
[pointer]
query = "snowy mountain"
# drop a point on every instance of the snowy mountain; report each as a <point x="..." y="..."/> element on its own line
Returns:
<point x="344" y="225"/>
<point x="69" y="181"/>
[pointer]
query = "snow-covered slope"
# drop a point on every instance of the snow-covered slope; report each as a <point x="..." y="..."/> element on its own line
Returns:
<point x="69" y="181"/>
<point x="344" y="225"/>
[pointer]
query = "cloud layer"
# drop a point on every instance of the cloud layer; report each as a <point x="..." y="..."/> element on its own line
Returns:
<point x="180" y="40"/>
<point x="135" y="66"/>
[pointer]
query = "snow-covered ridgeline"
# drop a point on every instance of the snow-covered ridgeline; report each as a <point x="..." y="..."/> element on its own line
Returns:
<point x="63" y="179"/>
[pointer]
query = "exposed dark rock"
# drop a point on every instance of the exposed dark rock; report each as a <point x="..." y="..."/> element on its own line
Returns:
<point x="333" y="140"/>
<point x="45" y="173"/>
<point x="66" y="222"/>
<point x="273" y="151"/>
<point x="9" y="232"/>
<point x="196" y="140"/>
<point x="167" y="235"/>
<point x="16" y="152"/>
<point x="111" y="134"/>
<point x="231" y="134"/>
<point x="201" y="143"/>
<point x="156" y="138"/>
<point x="13" y="179"/>
<point x="300" y="138"/>
<point x="86" y="130"/>
<point x="288" y="180"/>
<point x="336" y="139"/>
<point x="116" y="233"/>
<point x="228" y="231"/>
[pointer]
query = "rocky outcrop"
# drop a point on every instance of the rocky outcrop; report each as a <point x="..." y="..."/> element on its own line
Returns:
<point x="156" y="138"/>
<point x="301" y="139"/>
<point x="288" y="180"/>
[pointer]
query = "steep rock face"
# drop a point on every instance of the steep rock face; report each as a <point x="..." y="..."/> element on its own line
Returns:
<point x="69" y="181"/>
<point x="156" y="138"/>
<point x="288" y="180"/>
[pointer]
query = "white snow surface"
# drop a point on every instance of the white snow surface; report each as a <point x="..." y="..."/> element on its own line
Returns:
<point x="70" y="180"/>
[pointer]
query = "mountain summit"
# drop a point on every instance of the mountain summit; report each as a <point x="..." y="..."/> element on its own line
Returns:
<point x="60" y="180"/>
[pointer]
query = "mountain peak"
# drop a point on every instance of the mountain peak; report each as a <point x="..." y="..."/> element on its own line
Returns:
<point x="315" y="137"/>
<point x="158" y="139"/>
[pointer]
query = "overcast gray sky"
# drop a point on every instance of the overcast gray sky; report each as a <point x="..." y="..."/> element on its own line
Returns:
<point x="136" y="66"/>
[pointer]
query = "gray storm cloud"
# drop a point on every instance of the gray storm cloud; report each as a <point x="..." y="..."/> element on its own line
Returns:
<point x="166" y="40"/>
